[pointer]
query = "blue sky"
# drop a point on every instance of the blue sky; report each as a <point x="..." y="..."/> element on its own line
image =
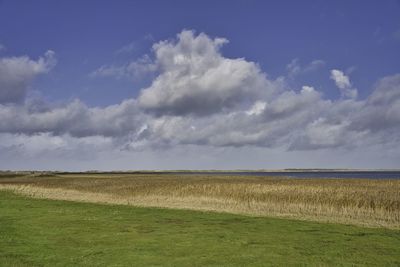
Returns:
<point x="90" y="57"/>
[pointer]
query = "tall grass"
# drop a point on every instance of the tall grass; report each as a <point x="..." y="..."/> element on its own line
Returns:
<point x="355" y="201"/>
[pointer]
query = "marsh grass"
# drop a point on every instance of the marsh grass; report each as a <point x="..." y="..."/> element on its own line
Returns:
<point x="367" y="202"/>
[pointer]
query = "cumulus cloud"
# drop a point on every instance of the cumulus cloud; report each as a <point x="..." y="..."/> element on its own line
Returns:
<point x="343" y="83"/>
<point x="75" y="119"/>
<point x="349" y="123"/>
<point x="17" y="146"/>
<point x="201" y="98"/>
<point x="325" y="133"/>
<point x="2" y="47"/>
<point x="381" y="110"/>
<point x="196" y="79"/>
<point x="16" y="73"/>
<point x="268" y="123"/>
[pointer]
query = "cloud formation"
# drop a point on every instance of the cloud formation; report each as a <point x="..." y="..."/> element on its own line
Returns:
<point x="134" y="70"/>
<point x="343" y="83"/>
<point x="75" y="119"/>
<point x="200" y="98"/>
<point x="16" y="73"/>
<point x="196" y="79"/>
<point x="294" y="68"/>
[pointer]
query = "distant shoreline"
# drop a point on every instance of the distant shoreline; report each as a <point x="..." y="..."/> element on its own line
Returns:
<point x="287" y="173"/>
<point x="289" y="170"/>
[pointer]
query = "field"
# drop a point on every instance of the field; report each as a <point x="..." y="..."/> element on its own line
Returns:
<point x="374" y="203"/>
<point x="155" y="220"/>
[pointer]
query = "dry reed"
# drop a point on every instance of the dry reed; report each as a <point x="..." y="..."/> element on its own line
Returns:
<point x="374" y="203"/>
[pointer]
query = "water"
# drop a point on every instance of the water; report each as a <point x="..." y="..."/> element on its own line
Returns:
<point x="310" y="174"/>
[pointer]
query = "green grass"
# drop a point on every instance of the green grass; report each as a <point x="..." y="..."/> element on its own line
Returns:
<point x="37" y="232"/>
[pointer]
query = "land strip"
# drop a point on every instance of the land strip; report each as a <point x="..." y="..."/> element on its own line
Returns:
<point x="366" y="202"/>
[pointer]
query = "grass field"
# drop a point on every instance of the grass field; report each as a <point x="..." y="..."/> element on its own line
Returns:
<point x="38" y="232"/>
<point x="373" y="203"/>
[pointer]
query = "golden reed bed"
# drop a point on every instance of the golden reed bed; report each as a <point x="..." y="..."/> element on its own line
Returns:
<point x="374" y="203"/>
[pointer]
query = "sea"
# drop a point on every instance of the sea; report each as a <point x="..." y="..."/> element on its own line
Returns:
<point x="303" y="174"/>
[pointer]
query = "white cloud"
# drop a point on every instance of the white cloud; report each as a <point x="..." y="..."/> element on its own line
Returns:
<point x="294" y="68"/>
<point x="381" y="110"/>
<point x="109" y="71"/>
<point x="2" y="47"/>
<point x="134" y="70"/>
<point x="341" y="80"/>
<point x="343" y="83"/>
<point x="60" y="146"/>
<point x="16" y="73"/>
<point x="323" y="133"/>
<point x="307" y="89"/>
<point x="265" y="123"/>
<point x="196" y="79"/>
<point x="75" y="119"/>
<point x="201" y="100"/>
<point x="257" y="108"/>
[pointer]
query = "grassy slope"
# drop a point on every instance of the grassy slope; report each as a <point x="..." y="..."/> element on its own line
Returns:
<point x="37" y="232"/>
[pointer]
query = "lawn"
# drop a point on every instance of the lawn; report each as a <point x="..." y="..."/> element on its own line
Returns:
<point x="37" y="232"/>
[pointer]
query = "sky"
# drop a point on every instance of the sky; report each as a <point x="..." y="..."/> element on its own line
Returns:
<point x="133" y="85"/>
